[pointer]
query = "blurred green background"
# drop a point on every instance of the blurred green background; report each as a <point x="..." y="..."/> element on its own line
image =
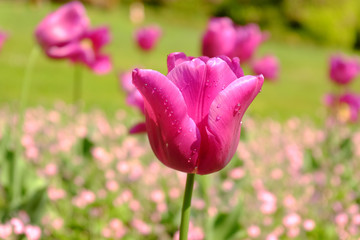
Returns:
<point x="304" y="33"/>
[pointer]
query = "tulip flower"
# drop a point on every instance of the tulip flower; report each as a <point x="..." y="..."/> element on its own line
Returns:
<point x="268" y="66"/>
<point x="353" y="104"/>
<point x="343" y="70"/>
<point x="346" y="106"/>
<point x="134" y="98"/>
<point x="193" y="115"/>
<point x="147" y="37"/>
<point x="66" y="34"/>
<point x="219" y="38"/>
<point x="3" y="37"/>
<point x="248" y="39"/>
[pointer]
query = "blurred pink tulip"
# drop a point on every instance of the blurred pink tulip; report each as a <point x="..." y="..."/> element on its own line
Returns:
<point x="268" y="66"/>
<point x="248" y="39"/>
<point x="147" y="37"/>
<point x="343" y="70"/>
<point x="193" y="115"/>
<point x="133" y="98"/>
<point x="219" y="38"/>
<point x="66" y="34"/>
<point x="3" y="37"/>
<point x="353" y="102"/>
<point x="347" y="106"/>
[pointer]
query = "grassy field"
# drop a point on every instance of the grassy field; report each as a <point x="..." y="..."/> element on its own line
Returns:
<point x="303" y="79"/>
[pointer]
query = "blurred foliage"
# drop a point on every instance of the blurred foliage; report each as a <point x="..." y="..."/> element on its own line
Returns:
<point x="329" y="22"/>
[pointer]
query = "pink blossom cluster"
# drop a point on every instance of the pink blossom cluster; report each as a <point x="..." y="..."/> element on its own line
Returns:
<point x="283" y="188"/>
<point x="18" y="227"/>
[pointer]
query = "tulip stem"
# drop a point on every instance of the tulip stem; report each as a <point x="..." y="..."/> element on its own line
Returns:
<point x="15" y="167"/>
<point x="185" y="212"/>
<point x="77" y="90"/>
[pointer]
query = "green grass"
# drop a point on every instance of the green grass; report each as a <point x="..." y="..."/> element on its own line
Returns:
<point x="298" y="92"/>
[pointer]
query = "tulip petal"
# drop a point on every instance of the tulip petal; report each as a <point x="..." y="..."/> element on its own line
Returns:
<point x="100" y="65"/>
<point x="224" y="123"/>
<point x="62" y="26"/>
<point x="200" y="83"/>
<point x="99" y="37"/>
<point x="67" y="51"/>
<point x="176" y="58"/>
<point x="138" y="128"/>
<point x="173" y="135"/>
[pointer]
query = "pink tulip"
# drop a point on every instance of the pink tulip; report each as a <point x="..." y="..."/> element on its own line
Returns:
<point x="268" y="66"/>
<point x="353" y="102"/>
<point x="134" y="98"/>
<point x="147" y="37"/>
<point x="343" y="70"/>
<point x="193" y="115"/>
<point x="3" y="37"/>
<point x="66" y="34"/>
<point x="219" y="38"/>
<point x="347" y="106"/>
<point x="248" y="39"/>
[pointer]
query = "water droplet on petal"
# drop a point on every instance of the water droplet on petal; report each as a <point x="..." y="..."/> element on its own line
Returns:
<point x="166" y="145"/>
<point x="218" y="106"/>
<point x="237" y="109"/>
<point x="223" y="87"/>
<point x="217" y="118"/>
<point x="179" y="130"/>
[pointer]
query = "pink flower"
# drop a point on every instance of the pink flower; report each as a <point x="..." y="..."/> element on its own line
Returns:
<point x="66" y="34"/>
<point x="147" y="37"/>
<point x="219" y="38"/>
<point x="309" y="225"/>
<point x="346" y="106"/>
<point x="254" y="231"/>
<point x="267" y="66"/>
<point x="5" y="231"/>
<point x="133" y="98"/>
<point x="343" y="70"/>
<point x="3" y="37"/>
<point x="193" y="115"/>
<point x="248" y="39"/>
<point x="32" y="232"/>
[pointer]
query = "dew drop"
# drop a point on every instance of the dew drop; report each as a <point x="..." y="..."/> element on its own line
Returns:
<point x="217" y="118"/>
<point x="223" y="87"/>
<point x="179" y="130"/>
<point x="166" y="145"/>
<point x="218" y="106"/>
<point x="237" y="108"/>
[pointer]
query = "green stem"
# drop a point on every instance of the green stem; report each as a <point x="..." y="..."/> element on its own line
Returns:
<point x="77" y="88"/>
<point x="15" y="174"/>
<point x="27" y="82"/>
<point x="185" y="211"/>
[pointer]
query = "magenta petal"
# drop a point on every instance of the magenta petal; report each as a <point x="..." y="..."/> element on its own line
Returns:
<point x="67" y="51"/>
<point x="138" y="128"/>
<point x="176" y="58"/>
<point x="67" y="23"/>
<point x="224" y="122"/>
<point x="136" y="99"/>
<point x="100" y="65"/>
<point x="99" y="37"/>
<point x="234" y="64"/>
<point x="200" y="83"/>
<point x="173" y="135"/>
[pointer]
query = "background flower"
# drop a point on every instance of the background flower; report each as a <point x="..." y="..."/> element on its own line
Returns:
<point x="66" y="34"/>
